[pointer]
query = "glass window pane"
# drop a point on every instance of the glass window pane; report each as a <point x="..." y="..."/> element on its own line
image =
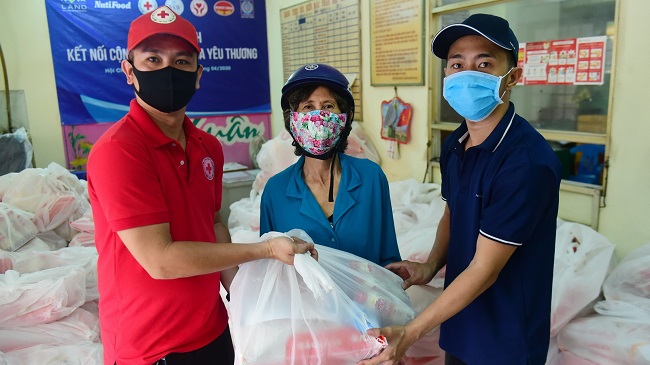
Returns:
<point x="561" y="107"/>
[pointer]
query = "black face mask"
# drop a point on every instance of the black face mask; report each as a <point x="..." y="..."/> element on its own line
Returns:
<point x="168" y="89"/>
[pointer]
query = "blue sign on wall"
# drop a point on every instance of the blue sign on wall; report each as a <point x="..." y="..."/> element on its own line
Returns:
<point x="88" y="39"/>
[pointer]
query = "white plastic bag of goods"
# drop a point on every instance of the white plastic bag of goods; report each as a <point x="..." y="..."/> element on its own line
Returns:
<point x="16" y="151"/>
<point x="583" y="258"/>
<point x="245" y="213"/>
<point x="607" y="340"/>
<point x="629" y="282"/>
<point x="80" y="326"/>
<point x="83" y="239"/>
<point x="16" y="227"/>
<point x="275" y="155"/>
<point x="45" y="241"/>
<point x="87" y="353"/>
<point x="6" y="181"/>
<point x="404" y="193"/>
<point x="34" y="261"/>
<point x="282" y="314"/>
<point x="360" y="146"/>
<point x="37" y="191"/>
<point x="417" y="209"/>
<point x="426" y="350"/>
<point x="85" y="223"/>
<point x="40" y="297"/>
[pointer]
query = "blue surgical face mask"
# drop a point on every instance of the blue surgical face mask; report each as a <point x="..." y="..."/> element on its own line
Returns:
<point x="473" y="94"/>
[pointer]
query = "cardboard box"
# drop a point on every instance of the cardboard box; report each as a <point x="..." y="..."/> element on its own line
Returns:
<point x="593" y="123"/>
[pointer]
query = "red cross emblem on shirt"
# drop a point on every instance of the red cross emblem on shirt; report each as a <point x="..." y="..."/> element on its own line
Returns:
<point x="208" y="168"/>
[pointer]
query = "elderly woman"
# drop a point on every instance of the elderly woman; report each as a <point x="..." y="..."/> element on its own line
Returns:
<point x="339" y="200"/>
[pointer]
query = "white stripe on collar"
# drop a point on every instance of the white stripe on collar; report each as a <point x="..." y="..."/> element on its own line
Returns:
<point x="463" y="137"/>
<point x="504" y="132"/>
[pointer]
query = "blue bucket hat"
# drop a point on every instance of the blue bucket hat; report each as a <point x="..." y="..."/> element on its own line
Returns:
<point x="494" y="28"/>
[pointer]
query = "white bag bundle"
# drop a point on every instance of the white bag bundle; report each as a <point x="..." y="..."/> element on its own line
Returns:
<point x="86" y="353"/>
<point x="40" y="297"/>
<point x="38" y="191"/>
<point x="275" y="155"/>
<point x="85" y="223"/>
<point x="86" y="228"/>
<point x="16" y="227"/>
<point x="83" y="239"/>
<point x="245" y="214"/>
<point x="79" y="326"/>
<point x="360" y="146"/>
<point x="45" y="241"/>
<point x="629" y="282"/>
<point x="582" y="260"/>
<point x="305" y="314"/>
<point x="417" y="209"/>
<point x="607" y="340"/>
<point x="376" y="290"/>
<point x="44" y="286"/>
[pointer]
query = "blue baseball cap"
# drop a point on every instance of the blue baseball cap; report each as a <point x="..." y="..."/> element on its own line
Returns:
<point x="494" y="28"/>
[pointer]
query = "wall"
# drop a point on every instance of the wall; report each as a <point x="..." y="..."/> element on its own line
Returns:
<point x="26" y="46"/>
<point x="626" y="218"/>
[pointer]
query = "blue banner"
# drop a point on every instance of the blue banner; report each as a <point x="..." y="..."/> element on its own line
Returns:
<point x="88" y="39"/>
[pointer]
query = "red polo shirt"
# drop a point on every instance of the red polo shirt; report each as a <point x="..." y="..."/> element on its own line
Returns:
<point x="137" y="176"/>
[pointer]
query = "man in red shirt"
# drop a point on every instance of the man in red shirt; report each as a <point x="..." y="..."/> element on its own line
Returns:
<point x="154" y="181"/>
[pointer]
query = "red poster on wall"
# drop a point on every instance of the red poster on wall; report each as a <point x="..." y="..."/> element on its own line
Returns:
<point x="561" y="61"/>
<point x="520" y="62"/>
<point x="575" y="61"/>
<point x="591" y="61"/>
<point x="536" y="63"/>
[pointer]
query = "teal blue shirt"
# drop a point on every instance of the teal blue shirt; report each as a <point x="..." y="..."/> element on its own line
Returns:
<point x="363" y="217"/>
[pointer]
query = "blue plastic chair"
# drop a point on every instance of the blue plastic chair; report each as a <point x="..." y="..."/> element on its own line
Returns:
<point x="590" y="163"/>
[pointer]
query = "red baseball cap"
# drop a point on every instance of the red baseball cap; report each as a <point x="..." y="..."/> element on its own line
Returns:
<point x="161" y="21"/>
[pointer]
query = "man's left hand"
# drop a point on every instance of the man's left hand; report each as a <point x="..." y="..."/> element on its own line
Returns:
<point x="398" y="343"/>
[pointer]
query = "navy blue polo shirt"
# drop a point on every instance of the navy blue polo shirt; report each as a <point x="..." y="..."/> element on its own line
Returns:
<point x="506" y="189"/>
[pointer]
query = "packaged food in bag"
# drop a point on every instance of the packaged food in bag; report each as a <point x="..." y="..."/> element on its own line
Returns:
<point x="315" y="312"/>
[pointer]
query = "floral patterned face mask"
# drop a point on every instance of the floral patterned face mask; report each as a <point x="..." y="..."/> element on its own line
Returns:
<point x="317" y="131"/>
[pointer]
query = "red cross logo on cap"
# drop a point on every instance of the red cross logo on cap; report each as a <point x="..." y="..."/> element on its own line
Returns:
<point x="163" y="15"/>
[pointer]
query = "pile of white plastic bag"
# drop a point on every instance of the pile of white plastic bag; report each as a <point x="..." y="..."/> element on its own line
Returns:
<point x="616" y="330"/>
<point x="48" y="297"/>
<point x="583" y="261"/>
<point x="48" y="291"/>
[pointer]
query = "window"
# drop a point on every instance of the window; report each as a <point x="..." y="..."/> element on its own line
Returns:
<point x="566" y="94"/>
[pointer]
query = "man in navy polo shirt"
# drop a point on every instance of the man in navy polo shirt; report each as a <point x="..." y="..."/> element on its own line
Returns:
<point x="500" y="179"/>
